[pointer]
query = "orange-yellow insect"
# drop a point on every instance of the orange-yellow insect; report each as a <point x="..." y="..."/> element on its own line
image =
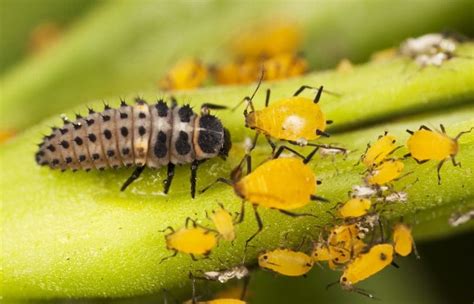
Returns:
<point x="237" y="72"/>
<point x="284" y="66"/>
<point x="425" y="145"/>
<point x="378" y="152"/>
<point x="218" y="301"/>
<point x="267" y="40"/>
<point x="286" y="262"/>
<point x="296" y="119"/>
<point x="402" y="239"/>
<point x="344" y="243"/>
<point x="386" y="172"/>
<point x="283" y="184"/>
<point x="186" y="74"/>
<point x="195" y="240"/>
<point x="224" y="223"/>
<point x="355" y="207"/>
<point x="366" y="265"/>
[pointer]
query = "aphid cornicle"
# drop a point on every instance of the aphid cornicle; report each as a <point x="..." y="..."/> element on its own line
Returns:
<point x="283" y="184"/>
<point x="140" y="135"/>
<point x="286" y="262"/>
<point x="195" y="240"/>
<point x="426" y="144"/>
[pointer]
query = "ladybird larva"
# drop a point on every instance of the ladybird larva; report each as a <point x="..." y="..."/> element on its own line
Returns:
<point x="139" y="135"/>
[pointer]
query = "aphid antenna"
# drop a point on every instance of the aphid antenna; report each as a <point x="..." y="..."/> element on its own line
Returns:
<point x="249" y="100"/>
<point x="171" y="229"/>
<point x="218" y="180"/>
<point x="462" y="133"/>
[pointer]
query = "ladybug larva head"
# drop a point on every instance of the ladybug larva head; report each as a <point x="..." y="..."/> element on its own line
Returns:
<point x="212" y="138"/>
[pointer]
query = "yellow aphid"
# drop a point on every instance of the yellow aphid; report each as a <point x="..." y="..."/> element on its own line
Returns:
<point x="284" y="66"/>
<point x="282" y="183"/>
<point x="286" y="262"/>
<point x="224" y="223"/>
<point x="376" y="153"/>
<point x="292" y="119"/>
<point x="193" y="240"/>
<point x="402" y="239"/>
<point x="386" y="172"/>
<point x="425" y="145"/>
<point x="367" y="264"/>
<point x="267" y="40"/>
<point x="321" y="252"/>
<point x="355" y="207"/>
<point x="344" y="243"/>
<point x="186" y="74"/>
<point x="237" y="72"/>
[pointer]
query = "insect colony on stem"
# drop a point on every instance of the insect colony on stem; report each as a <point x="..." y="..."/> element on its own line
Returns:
<point x="357" y="243"/>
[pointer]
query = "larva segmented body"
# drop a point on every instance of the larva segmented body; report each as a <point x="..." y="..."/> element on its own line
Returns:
<point x="138" y="135"/>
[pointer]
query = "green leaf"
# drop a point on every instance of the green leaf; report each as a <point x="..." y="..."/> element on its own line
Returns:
<point x="76" y="235"/>
<point x="125" y="46"/>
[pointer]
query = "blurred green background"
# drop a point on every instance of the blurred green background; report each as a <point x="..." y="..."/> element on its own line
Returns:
<point x="113" y="48"/>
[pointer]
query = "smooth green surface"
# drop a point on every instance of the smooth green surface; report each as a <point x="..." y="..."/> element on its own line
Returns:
<point x="75" y="235"/>
<point x="125" y="46"/>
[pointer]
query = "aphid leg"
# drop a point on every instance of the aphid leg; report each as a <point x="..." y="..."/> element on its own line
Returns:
<point x="211" y="106"/>
<point x="441" y="126"/>
<point x="167" y="228"/>
<point x="462" y="133"/>
<point x="395" y="265"/>
<point x="281" y="148"/>
<point x="438" y="169"/>
<point x="292" y="214"/>
<point x="169" y="178"/>
<point x="267" y="98"/>
<point x="219" y="180"/>
<point x="271" y="143"/>
<point x="242" y="213"/>
<point x="362" y="156"/>
<point x="170" y="256"/>
<point x="423" y="127"/>
<point x="136" y="174"/>
<point x="259" y="223"/>
<point x="455" y="163"/>
<point x="364" y="293"/>
<point x="309" y="157"/>
<point x="243" y="293"/>
<point x="318" y="198"/>
<point x="410" y="131"/>
<point x="322" y="133"/>
<point x="194" y="166"/>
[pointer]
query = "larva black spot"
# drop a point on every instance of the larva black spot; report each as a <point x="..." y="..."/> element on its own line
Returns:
<point x="160" y="148"/>
<point x="95" y="156"/>
<point x="64" y="144"/>
<point x="182" y="145"/>
<point x="90" y="122"/>
<point x="162" y="108"/>
<point x="124" y="131"/>
<point x="51" y="148"/>
<point x="77" y="126"/>
<point x="78" y="140"/>
<point x="125" y="151"/>
<point x="55" y="162"/>
<point x="68" y="160"/>
<point x="141" y="130"/>
<point x="141" y="115"/>
<point x="105" y="117"/>
<point x="63" y="131"/>
<point x="123" y="115"/>
<point x="82" y="158"/>
<point x="107" y="134"/>
<point x="110" y="153"/>
<point x="92" y="137"/>
<point x="185" y="113"/>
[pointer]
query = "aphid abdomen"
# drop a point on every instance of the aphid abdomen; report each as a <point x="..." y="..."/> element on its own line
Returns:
<point x="124" y="126"/>
<point x="141" y="132"/>
<point x="158" y="152"/>
<point x="181" y="146"/>
<point x="79" y="144"/>
<point x="94" y="141"/>
<point x="108" y="136"/>
<point x="67" y="150"/>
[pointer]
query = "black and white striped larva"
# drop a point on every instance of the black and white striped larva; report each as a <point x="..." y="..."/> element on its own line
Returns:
<point x="138" y="135"/>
